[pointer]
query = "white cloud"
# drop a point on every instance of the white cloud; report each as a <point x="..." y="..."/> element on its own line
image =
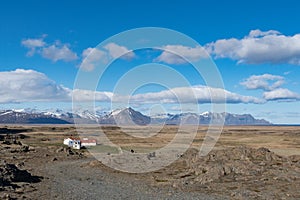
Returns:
<point x="115" y="51"/>
<point x="29" y="85"/>
<point x="271" y="84"/>
<point x="32" y="44"/>
<point x="90" y="57"/>
<point x="259" y="47"/>
<point x="259" y="33"/>
<point x="88" y="95"/>
<point x="177" y="54"/>
<point x="56" y="53"/>
<point x="265" y="82"/>
<point x="281" y="94"/>
<point x="196" y="94"/>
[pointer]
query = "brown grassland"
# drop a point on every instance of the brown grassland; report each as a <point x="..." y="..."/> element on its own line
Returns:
<point x="252" y="162"/>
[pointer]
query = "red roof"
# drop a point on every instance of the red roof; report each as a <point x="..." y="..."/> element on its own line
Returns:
<point x="88" y="141"/>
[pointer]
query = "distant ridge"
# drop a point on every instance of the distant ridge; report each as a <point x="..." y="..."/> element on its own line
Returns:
<point x="22" y="117"/>
<point x="127" y="116"/>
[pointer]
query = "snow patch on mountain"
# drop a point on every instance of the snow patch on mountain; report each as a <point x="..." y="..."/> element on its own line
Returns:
<point x="127" y="116"/>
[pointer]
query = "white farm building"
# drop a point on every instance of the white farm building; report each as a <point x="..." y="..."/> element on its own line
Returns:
<point x="77" y="143"/>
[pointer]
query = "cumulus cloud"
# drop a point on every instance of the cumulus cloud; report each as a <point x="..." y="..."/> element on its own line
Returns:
<point x="195" y="94"/>
<point x="259" y="33"/>
<point x="32" y="44"/>
<point x="186" y="95"/>
<point x="265" y="82"/>
<point x="90" y="57"/>
<point x="54" y="52"/>
<point x="29" y="85"/>
<point x="116" y="51"/>
<point x="259" y="47"/>
<point x="271" y="84"/>
<point x="23" y="85"/>
<point x="88" y="95"/>
<point x="179" y="54"/>
<point x="281" y="94"/>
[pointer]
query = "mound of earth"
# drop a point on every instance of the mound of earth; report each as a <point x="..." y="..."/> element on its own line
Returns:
<point x="240" y="172"/>
<point x="10" y="174"/>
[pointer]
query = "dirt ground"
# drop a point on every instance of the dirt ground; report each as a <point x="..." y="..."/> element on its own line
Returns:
<point x="247" y="162"/>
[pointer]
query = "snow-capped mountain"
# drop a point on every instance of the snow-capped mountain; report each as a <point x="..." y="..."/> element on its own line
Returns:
<point x="183" y="118"/>
<point x="127" y="116"/>
<point x="22" y="117"/>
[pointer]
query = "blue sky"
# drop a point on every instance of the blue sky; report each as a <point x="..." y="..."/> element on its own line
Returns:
<point x="254" y="44"/>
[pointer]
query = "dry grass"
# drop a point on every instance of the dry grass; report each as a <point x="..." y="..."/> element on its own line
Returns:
<point x="284" y="140"/>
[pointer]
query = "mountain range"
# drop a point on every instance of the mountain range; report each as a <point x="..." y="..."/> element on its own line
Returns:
<point x="127" y="116"/>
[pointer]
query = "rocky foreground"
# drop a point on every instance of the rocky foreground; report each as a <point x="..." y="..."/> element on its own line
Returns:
<point x="47" y="171"/>
<point x="62" y="173"/>
<point x="235" y="173"/>
<point x="238" y="172"/>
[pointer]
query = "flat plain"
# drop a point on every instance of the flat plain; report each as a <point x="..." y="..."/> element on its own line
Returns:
<point x="247" y="162"/>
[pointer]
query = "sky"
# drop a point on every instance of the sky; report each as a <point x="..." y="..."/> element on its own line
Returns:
<point x="253" y="45"/>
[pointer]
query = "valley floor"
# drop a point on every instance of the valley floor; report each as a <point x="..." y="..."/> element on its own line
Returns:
<point x="242" y="165"/>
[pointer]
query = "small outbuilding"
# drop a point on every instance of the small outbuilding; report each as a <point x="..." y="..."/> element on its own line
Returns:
<point x="77" y="143"/>
<point x="88" y="142"/>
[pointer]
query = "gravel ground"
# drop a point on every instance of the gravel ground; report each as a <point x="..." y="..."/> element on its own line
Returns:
<point x="69" y="180"/>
